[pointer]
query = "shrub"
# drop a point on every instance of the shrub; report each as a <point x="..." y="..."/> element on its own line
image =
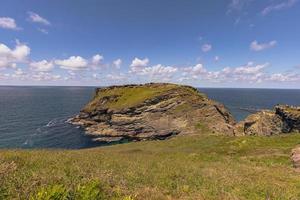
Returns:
<point x="91" y="190"/>
<point x="56" y="192"/>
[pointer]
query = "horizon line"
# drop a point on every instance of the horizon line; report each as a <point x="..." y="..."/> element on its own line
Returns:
<point x="207" y="87"/>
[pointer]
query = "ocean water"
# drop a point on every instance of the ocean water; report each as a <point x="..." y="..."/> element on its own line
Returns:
<point x="242" y="102"/>
<point x="35" y="117"/>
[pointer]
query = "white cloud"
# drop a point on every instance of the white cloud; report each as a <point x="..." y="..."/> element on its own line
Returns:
<point x="96" y="60"/>
<point x="73" y="63"/>
<point x="19" y="74"/>
<point x="117" y="63"/>
<point x="276" y="7"/>
<point x="8" y="23"/>
<point x="45" y="76"/>
<point x="43" y="30"/>
<point x="34" y="17"/>
<point x="19" y="71"/>
<point x="41" y="66"/>
<point x="284" y="77"/>
<point x="138" y="64"/>
<point x="116" y="77"/>
<point x="249" y="72"/>
<point x="159" y="70"/>
<point x="250" y="69"/>
<point x="9" y="57"/>
<point x="195" y="70"/>
<point x="20" y="52"/>
<point x="206" y="47"/>
<point x="255" y="46"/>
<point x="237" y="5"/>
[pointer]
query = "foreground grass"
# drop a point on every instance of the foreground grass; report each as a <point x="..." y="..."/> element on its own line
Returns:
<point x="186" y="167"/>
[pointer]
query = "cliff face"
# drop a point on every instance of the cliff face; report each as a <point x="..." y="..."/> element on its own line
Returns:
<point x="158" y="111"/>
<point x="152" y="111"/>
<point x="282" y="119"/>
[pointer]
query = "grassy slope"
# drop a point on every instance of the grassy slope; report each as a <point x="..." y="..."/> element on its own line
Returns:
<point x="185" y="167"/>
<point x="132" y="96"/>
<point x="128" y="96"/>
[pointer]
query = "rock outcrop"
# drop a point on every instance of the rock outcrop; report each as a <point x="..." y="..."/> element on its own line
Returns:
<point x="152" y="111"/>
<point x="282" y="119"/>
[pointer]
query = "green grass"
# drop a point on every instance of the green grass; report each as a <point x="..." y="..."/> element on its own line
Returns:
<point x="129" y="96"/>
<point x="184" y="167"/>
<point x="182" y="108"/>
<point x="202" y="127"/>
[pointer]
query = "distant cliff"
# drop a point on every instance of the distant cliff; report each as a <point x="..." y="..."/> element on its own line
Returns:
<point x="282" y="119"/>
<point x="152" y="111"/>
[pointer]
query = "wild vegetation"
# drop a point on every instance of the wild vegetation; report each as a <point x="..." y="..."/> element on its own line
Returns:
<point x="129" y="96"/>
<point x="204" y="162"/>
<point x="183" y="167"/>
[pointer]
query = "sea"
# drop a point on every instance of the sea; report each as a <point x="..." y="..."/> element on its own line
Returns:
<point x="36" y="116"/>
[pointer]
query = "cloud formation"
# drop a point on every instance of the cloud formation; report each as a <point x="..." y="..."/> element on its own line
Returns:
<point x="8" y="23"/>
<point x="43" y="30"/>
<point x="237" y="5"/>
<point x="73" y="63"/>
<point x="15" y="64"/>
<point x="206" y="47"/>
<point x="9" y="57"/>
<point x="255" y="46"/>
<point x="137" y="64"/>
<point x="117" y="63"/>
<point x="158" y="71"/>
<point x="34" y="17"/>
<point x="250" y="73"/>
<point x="276" y="7"/>
<point x="41" y="66"/>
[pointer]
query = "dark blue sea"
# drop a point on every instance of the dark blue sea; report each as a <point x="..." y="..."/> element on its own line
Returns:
<point x="35" y="117"/>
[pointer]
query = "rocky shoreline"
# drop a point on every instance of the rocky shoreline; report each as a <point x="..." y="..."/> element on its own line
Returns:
<point x="282" y="119"/>
<point x="161" y="110"/>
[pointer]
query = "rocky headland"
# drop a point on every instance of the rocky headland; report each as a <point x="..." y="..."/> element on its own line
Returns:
<point x="152" y="111"/>
<point x="282" y="119"/>
<point x="161" y="110"/>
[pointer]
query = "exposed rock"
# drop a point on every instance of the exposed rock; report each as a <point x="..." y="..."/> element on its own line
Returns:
<point x="152" y="111"/>
<point x="296" y="157"/>
<point x="290" y="116"/>
<point x="283" y="119"/>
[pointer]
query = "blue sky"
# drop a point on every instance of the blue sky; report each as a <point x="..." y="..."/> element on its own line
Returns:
<point x="228" y="43"/>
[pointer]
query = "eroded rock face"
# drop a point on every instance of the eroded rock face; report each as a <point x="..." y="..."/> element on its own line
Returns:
<point x="283" y="119"/>
<point x="290" y="116"/>
<point x="152" y="111"/>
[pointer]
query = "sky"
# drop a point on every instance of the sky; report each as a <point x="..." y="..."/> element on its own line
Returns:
<point x="213" y="43"/>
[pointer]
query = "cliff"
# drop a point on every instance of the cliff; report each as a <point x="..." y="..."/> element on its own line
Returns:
<point x="282" y="119"/>
<point x="161" y="110"/>
<point x="152" y="111"/>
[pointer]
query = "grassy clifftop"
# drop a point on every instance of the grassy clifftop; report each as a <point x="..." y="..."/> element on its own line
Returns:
<point x="152" y="111"/>
<point x="120" y="97"/>
<point x="186" y="167"/>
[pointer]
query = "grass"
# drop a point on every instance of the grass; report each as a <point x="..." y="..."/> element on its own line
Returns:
<point x="202" y="128"/>
<point x="129" y="96"/>
<point x="184" y="167"/>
